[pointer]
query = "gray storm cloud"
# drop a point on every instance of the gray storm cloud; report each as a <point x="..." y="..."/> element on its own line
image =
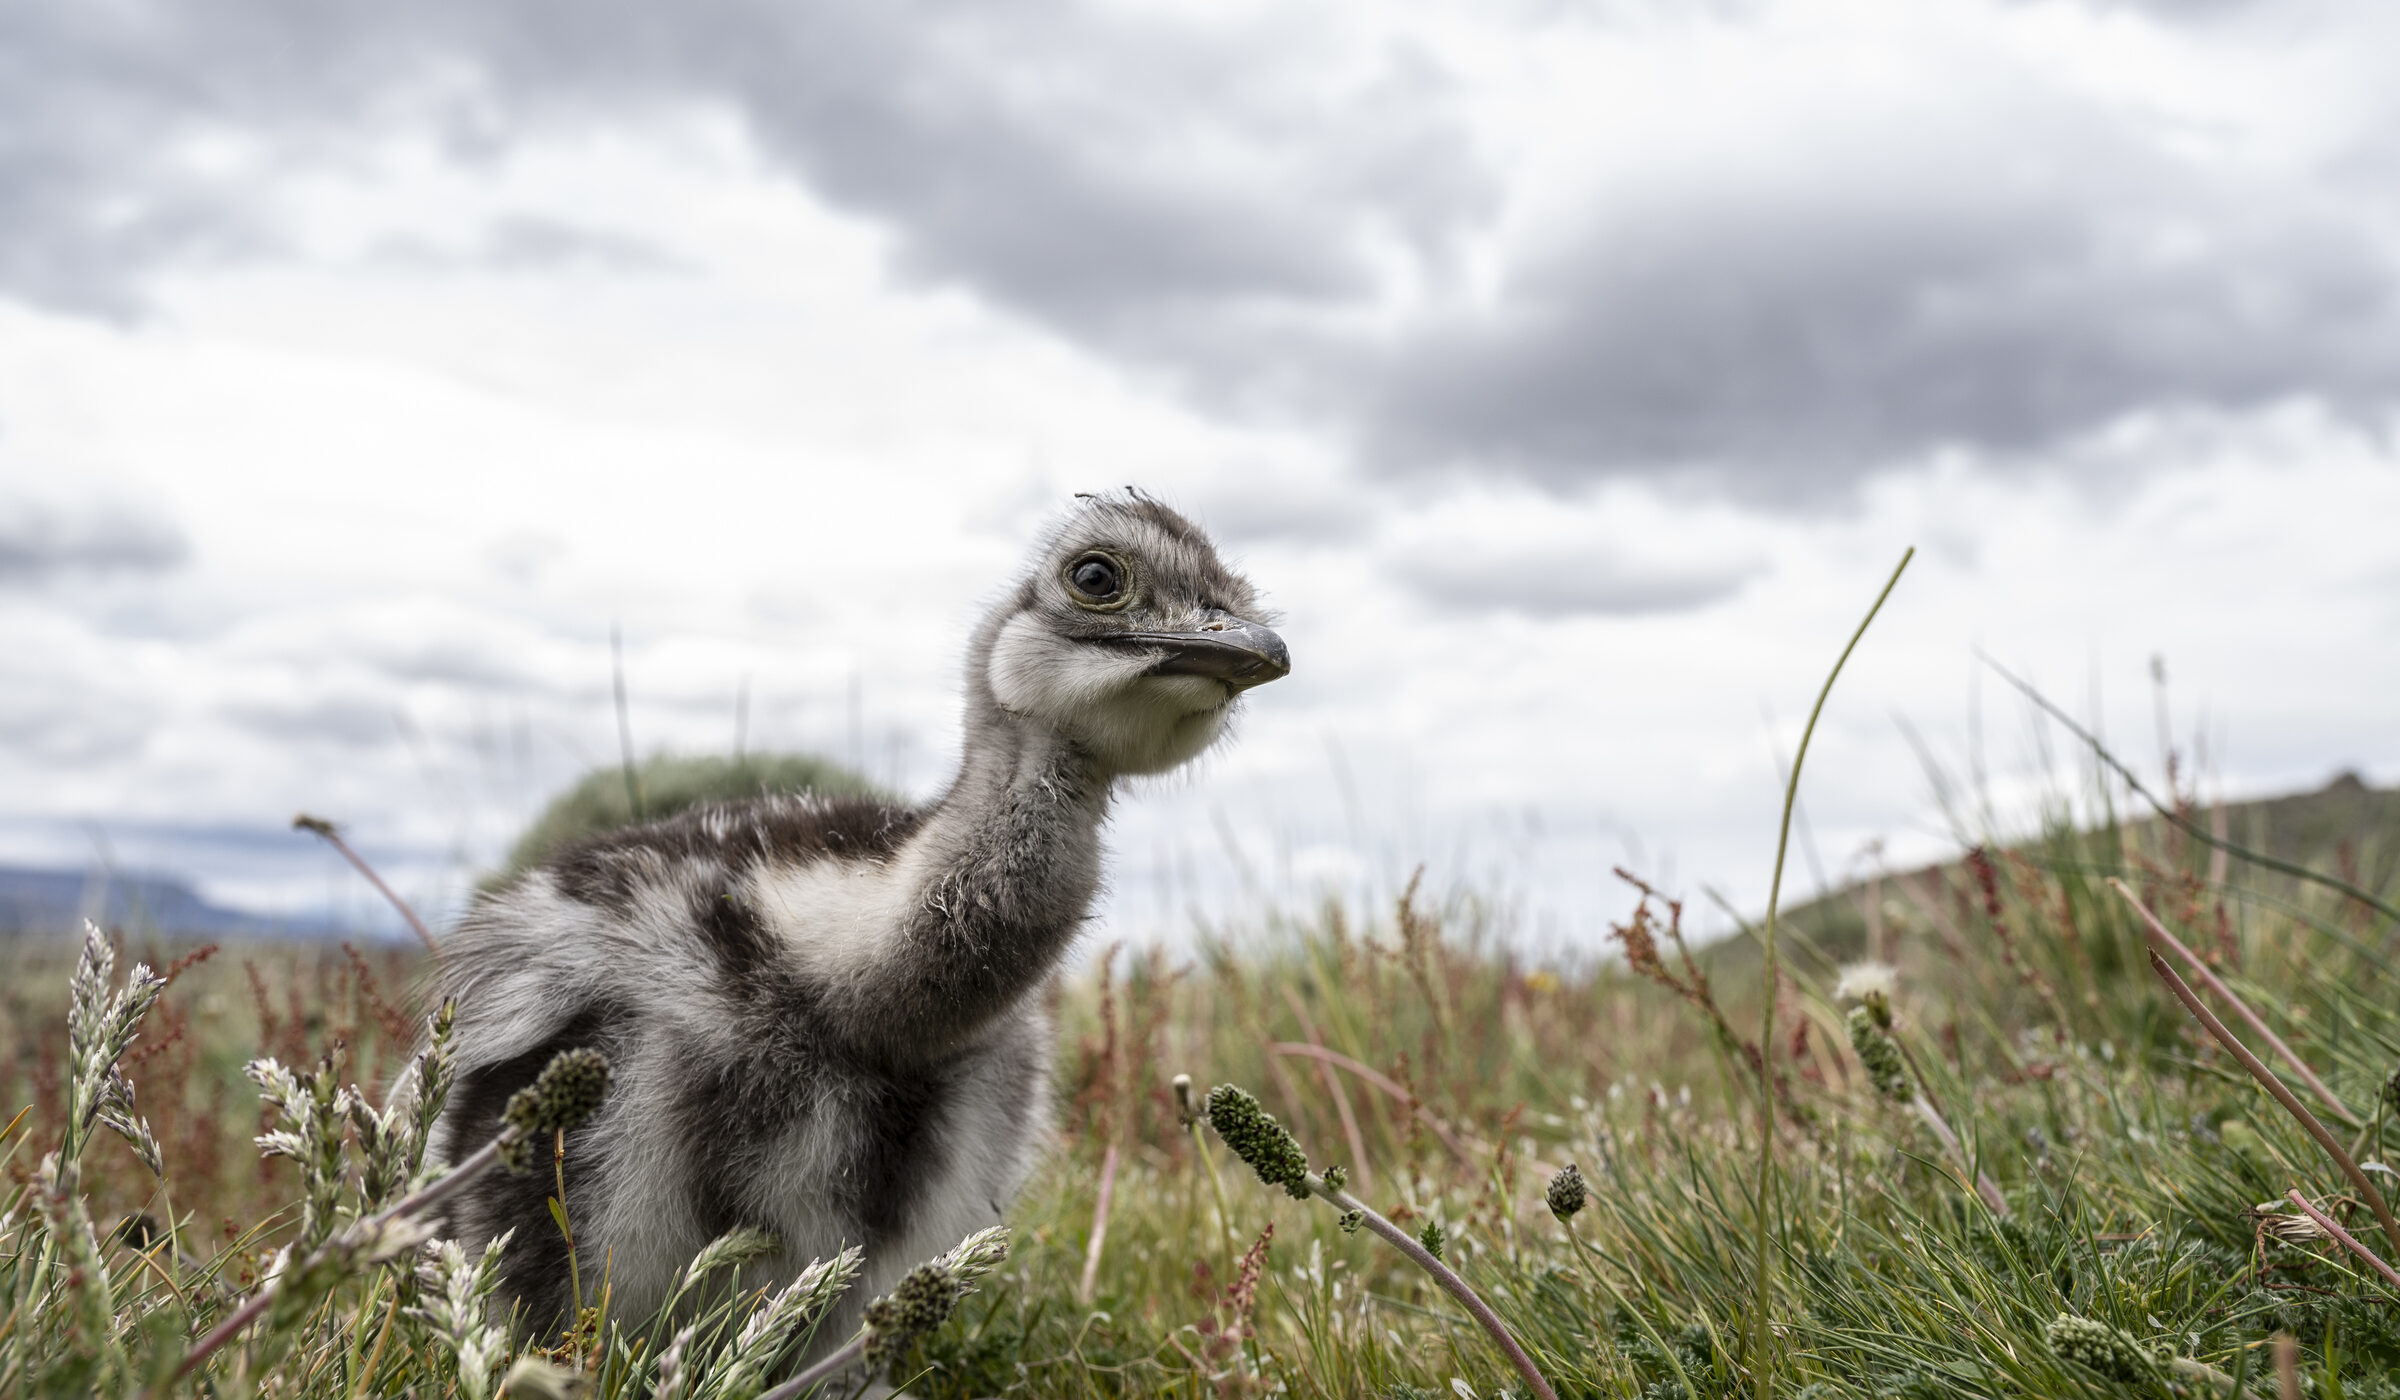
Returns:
<point x="1997" y="277"/>
<point x="1554" y="584"/>
<point x="1083" y="167"/>
<point x="1996" y="263"/>
<point x="50" y="537"/>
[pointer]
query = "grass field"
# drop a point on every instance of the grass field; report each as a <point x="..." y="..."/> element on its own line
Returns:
<point x="2113" y="1164"/>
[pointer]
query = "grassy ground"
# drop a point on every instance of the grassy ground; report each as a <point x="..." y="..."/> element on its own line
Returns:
<point x="2126" y="1157"/>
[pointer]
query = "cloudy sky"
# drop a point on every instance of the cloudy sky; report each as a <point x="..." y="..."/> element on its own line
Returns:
<point x="1570" y="375"/>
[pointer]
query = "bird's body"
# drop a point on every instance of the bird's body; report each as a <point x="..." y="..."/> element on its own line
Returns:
<point x="823" y="1016"/>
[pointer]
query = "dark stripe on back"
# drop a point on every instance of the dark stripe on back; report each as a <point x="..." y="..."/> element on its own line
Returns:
<point x="534" y="1267"/>
<point x="609" y="870"/>
<point x="731" y="929"/>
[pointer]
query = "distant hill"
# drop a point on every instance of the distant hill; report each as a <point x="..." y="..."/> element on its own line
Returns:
<point x="50" y="902"/>
<point x="2345" y="828"/>
<point x="2312" y="827"/>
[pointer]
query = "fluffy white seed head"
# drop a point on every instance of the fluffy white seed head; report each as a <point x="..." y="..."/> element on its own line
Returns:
<point x="1861" y="980"/>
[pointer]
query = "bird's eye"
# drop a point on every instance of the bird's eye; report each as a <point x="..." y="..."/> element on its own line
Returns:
<point x="1097" y="578"/>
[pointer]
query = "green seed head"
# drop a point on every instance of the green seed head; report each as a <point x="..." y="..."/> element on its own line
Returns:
<point x="1878" y="1007"/>
<point x="1433" y="1238"/>
<point x="2090" y="1343"/>
<point x="1566" y="1192"/>
<point x="1336" y="1178"/>
<point x="1885" y="1069"/>
<point x="1351" y="1220"/>
<point x="976" y="1255"/>
<point x="1258" y="1139"/>
<point x="916" y="1305"/>
<point x="569" y="1091"/>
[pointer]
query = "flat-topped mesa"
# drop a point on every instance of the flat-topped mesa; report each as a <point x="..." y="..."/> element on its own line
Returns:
<point x="822" y="1013"/>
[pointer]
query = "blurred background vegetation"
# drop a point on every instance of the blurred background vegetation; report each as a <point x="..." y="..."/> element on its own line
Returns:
<point x="1415" y="1042"/>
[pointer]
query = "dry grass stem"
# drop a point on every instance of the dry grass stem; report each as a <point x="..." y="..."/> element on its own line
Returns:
<point x="1389" y="1086"/>
<point x="2209" y="978"/>
<point x="2266" y="1077"/>
<point x="333" y="837"/>
<point x="1089" y="1284"/>
<point x="2347" y="1240"/>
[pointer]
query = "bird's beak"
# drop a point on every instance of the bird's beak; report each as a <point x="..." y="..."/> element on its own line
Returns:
<point x="1231" y="649"/>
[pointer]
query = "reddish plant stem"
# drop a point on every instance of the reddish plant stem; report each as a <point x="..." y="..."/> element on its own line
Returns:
<point x="333" y="835"/>
<point x="1333" y="1089"/>
<point x="2291" y="1103"/>
<point x="1090" y="1283"/>
<point x="1932" y="1118"/>
<point x="2158" y="931"/>
<point x="2348" y="1241"/>
<point x="841" y="1358"/>
<point x="1386" y="1084"/>
<point x="1448" y="1278"/>
<point x="474" y="1166"/>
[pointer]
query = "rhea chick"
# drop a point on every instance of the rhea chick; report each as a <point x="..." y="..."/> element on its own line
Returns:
<point x="823" y="1016"/>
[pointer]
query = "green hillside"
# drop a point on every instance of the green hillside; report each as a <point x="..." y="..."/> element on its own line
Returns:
<point x="2345" y="828"/>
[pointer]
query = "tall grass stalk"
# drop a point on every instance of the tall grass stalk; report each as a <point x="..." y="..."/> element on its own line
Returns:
<point x="1762" y="1334"/>
<point x="332" y="836"/>
<point x="626" y="766"/>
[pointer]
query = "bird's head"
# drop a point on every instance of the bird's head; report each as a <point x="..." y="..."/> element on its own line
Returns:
<point x="1130" y="638"/>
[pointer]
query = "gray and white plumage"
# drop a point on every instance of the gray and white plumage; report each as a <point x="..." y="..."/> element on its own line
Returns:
<point x="824" y="1016"/>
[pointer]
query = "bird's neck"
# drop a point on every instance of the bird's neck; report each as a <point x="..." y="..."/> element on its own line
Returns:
<point x="1007" y="863"/>
<point x="1026" y="805"/>
<point x="1009" y="753"/>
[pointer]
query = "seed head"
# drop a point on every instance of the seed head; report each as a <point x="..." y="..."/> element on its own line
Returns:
<point x="2391" y="1092"/>
<point x="976" y="1255"/>
<point x="1433" y="1238"/>
<point x="2088" y="1342"/>
<point x="1183" y="1100"/>
<point x="1258" y="1139"/>
<point x="922" y="1301"/>
<point x="916" y="1305"/>
<point x="1886" y="1070"/>
<point x="1351" y="1220"/>
<point x="1879" y="1009"/>
<point x="569" y="1091"/>
<point x="1336" y="1178"/>
<point x="1870" y="984"/>
<point x="539" y="1378"/>
<point x="1566" y="1193"/>
<point x="2289" y="1229"/>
